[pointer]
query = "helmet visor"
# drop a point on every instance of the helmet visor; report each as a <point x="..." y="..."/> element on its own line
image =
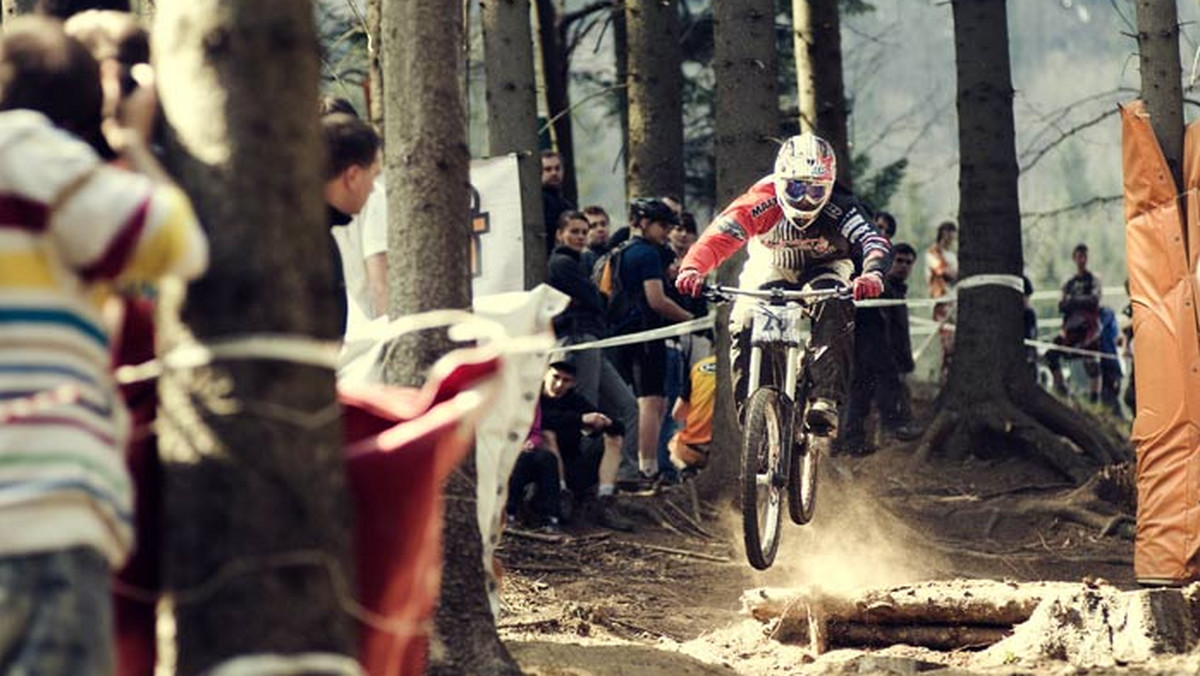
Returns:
<point x="805" y="194"/>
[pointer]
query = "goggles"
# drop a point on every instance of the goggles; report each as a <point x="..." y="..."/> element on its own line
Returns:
<point x="796" y="191"/>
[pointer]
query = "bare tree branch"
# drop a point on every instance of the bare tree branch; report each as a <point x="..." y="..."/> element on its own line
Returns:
<point x="1065" y="135"/>
<point x="569" y="18"/>
<point x="1079" y="206"/>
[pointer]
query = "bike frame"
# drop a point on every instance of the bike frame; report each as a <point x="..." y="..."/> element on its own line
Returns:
<point x="778" y="320"/>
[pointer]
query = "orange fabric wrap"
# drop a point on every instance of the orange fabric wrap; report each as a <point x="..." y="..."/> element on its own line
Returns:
<point x="1166" y="351"/>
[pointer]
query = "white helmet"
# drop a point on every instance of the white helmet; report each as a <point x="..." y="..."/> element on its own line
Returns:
<point x="805" y="170"/>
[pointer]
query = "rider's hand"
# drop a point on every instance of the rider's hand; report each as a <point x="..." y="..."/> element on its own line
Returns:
<point x="689" y="282"/>
<point x="868" y="285"/>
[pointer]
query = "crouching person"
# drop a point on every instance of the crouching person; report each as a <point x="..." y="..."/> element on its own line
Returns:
<point x="536" y="485"/>
<point x="694" y="408"/>
<point x="589" y="473"/>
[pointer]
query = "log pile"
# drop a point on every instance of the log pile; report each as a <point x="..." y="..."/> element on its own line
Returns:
<point x="1087" y="624"/>
<point x="949" y="615"/>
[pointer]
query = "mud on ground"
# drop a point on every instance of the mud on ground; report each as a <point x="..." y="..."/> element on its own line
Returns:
<point x="665" y="600"/>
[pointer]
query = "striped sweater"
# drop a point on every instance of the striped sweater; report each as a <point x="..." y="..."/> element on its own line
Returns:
<point x="68" y="222"/>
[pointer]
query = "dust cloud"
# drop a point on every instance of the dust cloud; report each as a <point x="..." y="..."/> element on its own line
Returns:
<point x="853" y="542"/>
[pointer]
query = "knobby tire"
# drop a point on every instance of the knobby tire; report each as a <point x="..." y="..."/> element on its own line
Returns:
<point x="802" y="476"/>
<point x="764" y="427"/>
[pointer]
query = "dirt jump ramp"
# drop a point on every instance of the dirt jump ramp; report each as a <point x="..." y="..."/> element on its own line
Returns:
<point x="1024" y="624"/>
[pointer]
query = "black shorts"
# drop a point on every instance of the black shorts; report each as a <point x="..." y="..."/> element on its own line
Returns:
<point x="644" y="366"/>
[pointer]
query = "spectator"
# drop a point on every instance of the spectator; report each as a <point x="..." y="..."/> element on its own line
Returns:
<point x="693" y="410"/>
<point x="583" y="322"/>
<point x="353" y="164"/>
<point x="566" y="417"/>
<point x="1029" y="317"/>
<point x="942" y="261"/>
<point x="362" y="244"/>
<point x="597" y="236"/>
<point x="886" y="224"/>
<point x="1080" y="308"/>
<point x="882" y="355"/>
<point x="1110" y="364"/>
<point x="536" y="484"/>
<point x="71" y="221"/>
<point x="682" y="236"/>
<point x="553" y="200"/>
<point x="648" y="306"/>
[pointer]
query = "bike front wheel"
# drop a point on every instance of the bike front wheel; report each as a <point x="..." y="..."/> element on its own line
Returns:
<point x="764" y="468"/>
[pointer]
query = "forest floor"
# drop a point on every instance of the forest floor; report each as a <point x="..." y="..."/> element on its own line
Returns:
<point x="666" y="599"/>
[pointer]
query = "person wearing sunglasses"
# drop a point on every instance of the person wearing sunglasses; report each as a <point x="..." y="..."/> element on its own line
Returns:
<point x="804" y="231"/>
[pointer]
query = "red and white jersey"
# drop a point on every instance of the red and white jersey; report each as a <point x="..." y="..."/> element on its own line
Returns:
<point x="840" y="231"/>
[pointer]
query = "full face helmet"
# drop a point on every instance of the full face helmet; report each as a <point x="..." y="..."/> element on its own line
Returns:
<point x="805" y="170"/>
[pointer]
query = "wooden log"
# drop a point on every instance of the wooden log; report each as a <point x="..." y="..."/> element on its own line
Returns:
<point x="933" y="636"/>
<point x="939" y="615"/>
<point x="971" y="602"/>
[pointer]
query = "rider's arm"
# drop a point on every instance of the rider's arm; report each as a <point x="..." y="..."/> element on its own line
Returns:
<point x="861" y="233"/>
<point x="753" y="213"/>
<point x="658" y="301"/>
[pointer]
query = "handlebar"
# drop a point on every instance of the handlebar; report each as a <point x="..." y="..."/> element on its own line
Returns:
<point x="719" y="293"/>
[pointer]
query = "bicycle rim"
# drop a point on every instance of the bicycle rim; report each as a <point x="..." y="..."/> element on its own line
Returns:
<point x="763" y="458"/>
<point x="802" y="477"/>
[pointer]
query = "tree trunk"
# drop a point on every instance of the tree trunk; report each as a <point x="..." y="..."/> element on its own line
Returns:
<point x="15" y="8"/>
<point x="258" y="552"/>
<point x="819" y="83"/>
<point x="746" y="117"/>
<point x="655" y="89"/>
<point x="145" y="11"/>
<point x="620" y="30"/>
<point x="1162" y="88"/>
<point x="555" y="73"/>
<point x="429" y="268"/>
<point x="512" y="115"/>
<point x="990" y="402"/>
<point x="374" y="60"/>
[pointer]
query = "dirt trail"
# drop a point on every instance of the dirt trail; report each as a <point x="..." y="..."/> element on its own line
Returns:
<point x="594" y="603"/>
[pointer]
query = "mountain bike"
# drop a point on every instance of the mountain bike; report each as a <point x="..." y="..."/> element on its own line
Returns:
<point x="779" y="454"/>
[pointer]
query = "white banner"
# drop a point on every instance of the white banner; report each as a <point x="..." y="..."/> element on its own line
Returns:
<point x="497" y="253"/>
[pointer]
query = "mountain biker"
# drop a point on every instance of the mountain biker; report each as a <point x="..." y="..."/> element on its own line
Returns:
<point x="803" y="230"/>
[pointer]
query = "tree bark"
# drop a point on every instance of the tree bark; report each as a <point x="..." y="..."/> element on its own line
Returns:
<point x="1162" y="88"/>
<point x="655" y="89"/>
<point x="555" y="74"/>
<point x="429" y="268"/>
<point x="14" y="8"/>
<point x="512" y="115"/>
<point x="819" y="80"/>
<point x="746" y="117"/>
<point x="257" y="557"/>
<point x="990" y="402"/>
<point x="375" y="91"/>
<point x="620" y="30"/>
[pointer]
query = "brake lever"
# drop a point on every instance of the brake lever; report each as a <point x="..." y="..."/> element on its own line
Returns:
<point x="713" y="295"/>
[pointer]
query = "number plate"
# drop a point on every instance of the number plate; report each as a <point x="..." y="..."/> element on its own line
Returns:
<point x="777" y="326"/>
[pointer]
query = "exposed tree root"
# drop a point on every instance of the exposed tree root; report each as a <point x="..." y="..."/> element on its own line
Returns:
<point x="1029" y="419"/>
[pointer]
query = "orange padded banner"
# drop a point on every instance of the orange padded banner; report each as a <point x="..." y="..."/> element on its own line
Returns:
<point x="1166" y="351"/>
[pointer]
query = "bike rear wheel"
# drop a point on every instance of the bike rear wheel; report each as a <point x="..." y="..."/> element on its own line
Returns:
<point x="802" y="477"/>
<point x="764" y="469"/>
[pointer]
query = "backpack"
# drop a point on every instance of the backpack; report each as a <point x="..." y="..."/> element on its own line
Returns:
<point x="606" y="274"/>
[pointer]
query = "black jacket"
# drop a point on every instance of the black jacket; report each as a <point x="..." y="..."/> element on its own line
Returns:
<point x="585" y="314"/>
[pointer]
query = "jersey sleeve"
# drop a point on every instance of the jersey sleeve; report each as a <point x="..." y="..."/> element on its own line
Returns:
<point x="107" y="222"/>
<point x="754" y="213"/>
<point x="861" y="233"/>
